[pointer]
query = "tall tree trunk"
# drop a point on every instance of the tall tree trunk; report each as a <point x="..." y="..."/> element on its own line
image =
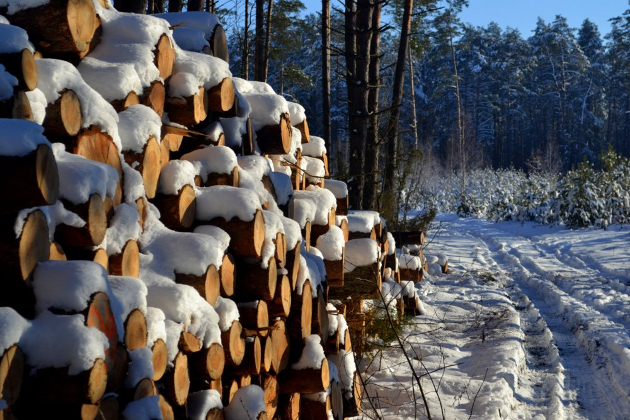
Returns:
<point x="460" y="124"/>
<point x="175" y="6"/>
<point x="151" y="7"/>
<point x="131" y="6"/>
<point x="245" y="67"/>
<point x="267" y="41"/>
<point x="355" y="166"/>
<point x="259" y="56"/>
<point x="196" y="5"/>
<point x="358" y="107"/>
<point x="413" y="98"/>
<point x="326" y="75"/>
<point x="372" y="140"/>
<point x="397" y="94"/>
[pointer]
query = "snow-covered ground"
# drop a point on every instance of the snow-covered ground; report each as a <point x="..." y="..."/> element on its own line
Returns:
<point x="531" y="322"/>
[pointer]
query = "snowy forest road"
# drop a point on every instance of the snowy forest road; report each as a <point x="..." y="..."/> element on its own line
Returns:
<point x="570" y="289"/>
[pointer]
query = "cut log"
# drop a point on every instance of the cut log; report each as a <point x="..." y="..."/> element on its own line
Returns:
<point x="164" y="56"/>
<point x="18" y="257"/>
<point x="99" y="315"/>
<point x="251" y="362"/>
<point x="231" y="179"/>
<point x="334" y="270"/>
<point x="331" y="343"/>
<point x="218" y="44"/>
<point x="289" y="406"/>
<point x="313" y="409"/>
<point x="275" y="139"/>
<point x="352" y="401"/>
<point x="408" y="274"/>
<point x="135" y="330"/>
<point x="189" y="343"/>
<point x="246" y="238"/>
<point x="319" y="230"/>
<point x="145" y="388"/>
<point x="247" y="139"/>
<point x="233" y="344"/>
<point x="358" y="235"/>
<point x="269" y="384"/>
<point x="319" y="322"/>
<point x="98" y="255"/>
<point x="56" y="410"/>
<point x="303" y="127"/>
<point x="266" y="350"/>
<point x="117" y="375"/>
<point x="37" y="183"/>
<point x="159" y="359"/>
<point x="127" y="263"/>
<point x="57" y="253"/>
<point x="221" y="97"/>
<point x="22" y="66"/>
<point x="131" y="99"/>
<point x="176" y="381"/>
<point x="280" y="306"/>
<point x="11" y="374"/>
<point x="254" y="315"/>
<point x="86" y="387"/>
<point x="142" y="205"/>
<point x="299" y="323"/>
<point x="306" y="235"/>
<point x="206" y="365"/>
<point x="256" y="282"/>
<point x="172" y="136"/>
<point x="227" y="275"/>
<point x="93" y="212"/>
<point x="148" y="163"/>
<point x="305" y="381"/>
<point x="408" y="238"/>
<point x="293" y="264"/>
<point x="63" y="117"/>
<point x="229" y="389"/>
<point x="188" y="111"/>
<point x="154" y="97"/>
<point x="342" y="206"/>
<point x="336" y="400"/>
<point x="280" y="341"/>
<point x="60" y="28"/>
<point x="281" y="250"/>
<point x="208" y="285"/>
<point x="17" y="106"/>
<point x="166" y="409"/>
<point x="99" y="146"/>
<point x="177" y="212"/>
<point x="343" y="225"/>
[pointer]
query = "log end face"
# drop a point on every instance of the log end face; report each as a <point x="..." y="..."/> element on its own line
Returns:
<point x="187" y="206"/>
<point x="151" y="167"/>
<point x="34" y="243"/>
<point x="97" y="382"/>
<point x="29" y="69"/>
<point x="47" y="174"/>
<point x="82" y="22"/>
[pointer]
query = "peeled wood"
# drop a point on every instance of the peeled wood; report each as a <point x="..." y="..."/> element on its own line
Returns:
<point x="37" y="183"/>
<point x="135" y="330"/>
<point x="305" y="381"/>
<point x="188" y="111"/>
<point x="251" y="363"/>
<point x="208" y="285"/>
<point x="154" y="97"/>
<point x="159" y="359"/>
<point x="206" y="365"/>
<point x="246" y="238"/>
<point x="60" y="28"/>
<point x="177" y="212"/>
<point x="233" y="344"/>
<point x="176" y="380"/>
<point x="127" y="262"/>
<point x="256" y="282"/>
<point x="289" y="406"/>
<point x="11" y="374"/>
<point x="221" y="97"/>
<point x="17" y="106"/>
<point x="293" y="264"/>
<point x="99" y="146"/>
<point x="280" y="342"/>
<point x="94" y="213"/>
<point x="85" y="388"/>
<point x="280" y="306"/>
<point x="227" y="275"/>
<point x="303" y="127"/>
<point x="314" y="409"/>
<point x="22" y="66"/>
<point x="63" y="117"/>
<point x="275" y="139"/>
<point x="18" y="257"/>
<point x="131" y="99"/>
<point x="148" y="163"/>
<point x="164" y="56"/>
<point x="299" y="323"/>
<point x="218" y="43"/>
<point x="244" y="380"/>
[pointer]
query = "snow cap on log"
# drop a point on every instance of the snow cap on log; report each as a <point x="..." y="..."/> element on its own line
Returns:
<point x="282" y="186"/>
<point x="20" y="137"/>
<point x="392" y="244"/>
<point x="331" y="244"/>
<point x="14" y="40"/>
<point x="228" y="312"/>
<point x="175" y="174"/>
<point x="362" y="220"/>
<point x="217" y="159"/>
<point x="247" y="403"/>
<point x="308" y="271"/>
<point x="38" y="102"/>
<point x="267" y="109"/>
<point x="315" y="170"/>
<point x="338" y="188"/>
<point x="201" y="21"/>
<point x="208" y="71"/>
<point x="125" y="225"/>
<point x="55" y="214"/>
<point x="247" y="87"/>
<point x="156" y="330"/>
<point x="143" y="409"/>
<point x="312" y="356"/>
<point x="80" y="177"/>
<point x="200" y="403"/>
<point x="217" y="233"/>
<point x="136" y="125"/>
<point x="13" y="327"/>
<point x="234" y="128"/>
<point x="273" y="226"/>
<point x="57" y="75"/>
<point x="315" y="148"/>
<point x="131" y="293"/>
<point x="226" y="202"/>
<point x="360" y="253"/>
<point x="191" y="39"/>
<point x="7" y="83"/>
<point x="314" y="205"/>
<point x="292" y="232"/>
<point x="140" y="366"/>
<point x="297" y="113"/>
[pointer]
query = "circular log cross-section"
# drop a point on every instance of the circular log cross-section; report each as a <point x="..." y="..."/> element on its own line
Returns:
<point x="188" y="111"/>
<point x="280" y="340"/>
<point x="131" y="99"/>
<point x="127" y="263"/>
<point x="22" y="66"/>
<point x="254" y="315"/>
<point x="280" y="306"/>
<point x="154" y="97"/>
<point x="37" y="183"/>
<point x="233" y="344"/>
<point x="276" y="139"/>
<point x="207" y="285"/>
<point x="63" y="117"/>
<point x="303" y="127"/>
<point x="305" y="381"/>
<point x="251" y="363"/>
<point x="99" y="315"/>
<point x="246" y="238"/>
<point x="219" y="45"/>
<point x="221" y="96"/>
<point x="93" y="232"/>
<point x="11" y="374"/>
<point x="226" y="273"/>
<point x="159" y="359"/>
<point x="266" y="349"/>
<point x="164" y="56"/>
<point x="135" y="330"/>
<point x="148" y="163"/>
<point x="177" y="212"/>
<point x="177" y="381"/>
<point x="34" y="245"/>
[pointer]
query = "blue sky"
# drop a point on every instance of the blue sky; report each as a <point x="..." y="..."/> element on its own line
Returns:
<point x="523" y="14"/>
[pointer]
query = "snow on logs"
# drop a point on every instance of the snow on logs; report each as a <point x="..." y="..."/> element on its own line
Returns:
<point x="17" y="56"/>
<point x="176" y="197"/>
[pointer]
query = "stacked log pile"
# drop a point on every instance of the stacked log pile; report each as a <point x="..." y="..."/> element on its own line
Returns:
<point x="171" y="247"/>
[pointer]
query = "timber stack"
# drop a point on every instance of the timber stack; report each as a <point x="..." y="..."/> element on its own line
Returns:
<point x="170" y="245"/>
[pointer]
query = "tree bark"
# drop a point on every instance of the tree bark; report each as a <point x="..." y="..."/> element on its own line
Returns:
<point x="259" y="56"/>
<point x="245" y="66"/>
<point x="326" y="104"/>
<point x="267" y="41"/>
<point x="131" y="6"/>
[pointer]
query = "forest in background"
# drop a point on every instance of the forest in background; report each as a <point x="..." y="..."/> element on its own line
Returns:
<point x="482" y="96"/>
